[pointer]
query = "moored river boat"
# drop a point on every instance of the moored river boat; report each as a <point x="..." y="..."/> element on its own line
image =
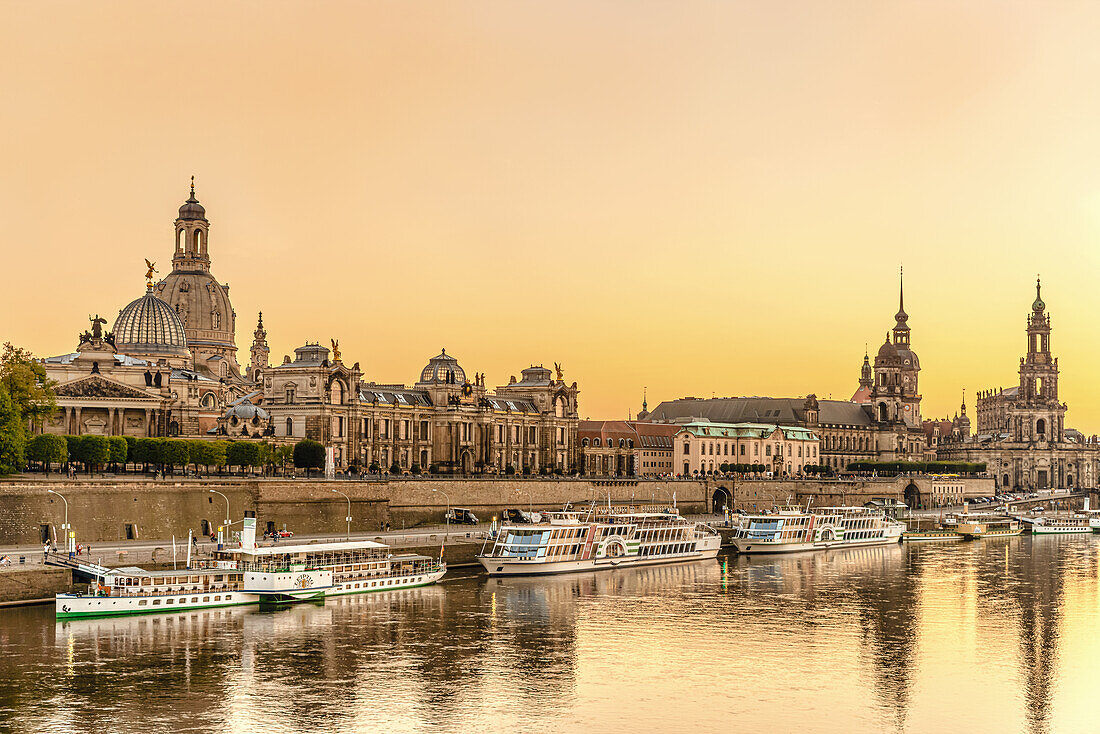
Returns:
<point x="598" y="538"/>
<point x="793" y="529"/>
<point x="251" y="575"/>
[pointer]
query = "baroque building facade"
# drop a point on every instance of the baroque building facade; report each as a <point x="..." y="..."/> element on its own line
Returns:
<point x="168" y="365"/>
<point x="169" y="368"/>
<point x="1021" y="433"/>
<point x="447" y="420"/>
<point x="626" y="448"/>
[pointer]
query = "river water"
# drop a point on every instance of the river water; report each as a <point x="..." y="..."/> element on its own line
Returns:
<point x="990" y="636"/>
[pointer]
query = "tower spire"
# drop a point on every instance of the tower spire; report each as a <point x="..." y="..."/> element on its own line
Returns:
<point x="901" y="274"/>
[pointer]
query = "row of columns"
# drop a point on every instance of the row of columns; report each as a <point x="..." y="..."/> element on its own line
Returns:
<point x="116" y="418"/>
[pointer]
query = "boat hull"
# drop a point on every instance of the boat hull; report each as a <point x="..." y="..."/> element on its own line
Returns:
<point x="519" y="567"/>
<point x="1043" y="530"/>
<point x="756" y="547"/>
<point x="73" y="606"/>
<point x="930" y="537"/>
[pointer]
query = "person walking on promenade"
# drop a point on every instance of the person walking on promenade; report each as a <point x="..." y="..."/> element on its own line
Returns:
<point x="45" y="551"/>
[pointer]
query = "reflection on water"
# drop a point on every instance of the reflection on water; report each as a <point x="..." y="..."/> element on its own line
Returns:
<point x="985" y="636"/>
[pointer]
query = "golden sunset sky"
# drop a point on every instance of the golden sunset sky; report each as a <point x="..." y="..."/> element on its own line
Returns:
<point x="696" y="197"/>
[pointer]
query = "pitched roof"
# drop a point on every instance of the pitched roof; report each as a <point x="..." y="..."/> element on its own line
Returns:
<point x="784" y="411"/>
<point x="746" y="430"/>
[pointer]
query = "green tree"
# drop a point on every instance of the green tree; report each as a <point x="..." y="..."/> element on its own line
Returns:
<point x="199" y="452"/>
<point x="46" y="449"/>
<point x="118" y="450"/>
<point x="282" y="456"/>
<point x="395" y="468"/>
<point x="146" y="452"/>
<point x="28" y="387"/>
<point x="243" y="454"/>
<point x="175" y="452"/>
<point x="13" y="440"/>
<point x="93" y="451"/>
<point x="374" y="468"/>
<point x="309" y="455"/>
<point x="414" y="469"/>
<point x="131" y="448"/>
<point x="265" y="454"/>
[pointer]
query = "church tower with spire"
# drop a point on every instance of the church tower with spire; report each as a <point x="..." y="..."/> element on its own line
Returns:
<point x="894" y="398"/>
<point x="201" y="302"/>
<point x="260" y="352"/>
<point x="1036" y="415"/>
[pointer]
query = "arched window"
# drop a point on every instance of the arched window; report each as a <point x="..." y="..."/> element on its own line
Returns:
<point x="584" y="442"/>
<point x="1041" y="427"/>
<point x="596" y="443"/>
<point x="290" y="394"/>
<point x="290" y="426"/>
<point x="622" y="444"/>
<point x="883" y="414"/>
<point x="216" y="319"/>
<point x="198" y="241"/>
<point x="181" y="239"/>
<point x="336" y="393"/>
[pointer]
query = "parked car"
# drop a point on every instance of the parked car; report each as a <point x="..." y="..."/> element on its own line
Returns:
<point x="460" y="516"/>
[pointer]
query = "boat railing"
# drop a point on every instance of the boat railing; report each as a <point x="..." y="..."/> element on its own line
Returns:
<point x="121" y="592"/>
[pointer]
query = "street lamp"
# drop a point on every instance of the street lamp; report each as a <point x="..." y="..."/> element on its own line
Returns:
<point x="447" y="517"/>
<point x="226" y="526"/>
<point x="70" y="540"/>
<point x="348" y="518"/>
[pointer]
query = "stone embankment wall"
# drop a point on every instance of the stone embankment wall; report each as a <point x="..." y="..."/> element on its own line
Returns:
<point x="120" y="509"/>
<point x="33" y="585"/>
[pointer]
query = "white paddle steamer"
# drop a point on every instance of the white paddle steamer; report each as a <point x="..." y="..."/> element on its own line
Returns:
<point x="276" y="574"/>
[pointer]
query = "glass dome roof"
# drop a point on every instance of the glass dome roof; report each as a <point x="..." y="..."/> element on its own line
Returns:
<point x="149" y="325"/>
<point x="440" y="370"/>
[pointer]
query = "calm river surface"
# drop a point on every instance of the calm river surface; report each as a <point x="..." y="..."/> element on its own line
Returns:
<point x="994" y="636"/>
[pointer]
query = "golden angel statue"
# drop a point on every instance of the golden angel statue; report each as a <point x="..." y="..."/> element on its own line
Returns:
<point x="152" y="268"/>
<point x="335" y="350"/>
<point x="557" y="368"/>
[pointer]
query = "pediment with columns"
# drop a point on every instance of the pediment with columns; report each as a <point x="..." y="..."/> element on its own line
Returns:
<point x="95" y="386"/>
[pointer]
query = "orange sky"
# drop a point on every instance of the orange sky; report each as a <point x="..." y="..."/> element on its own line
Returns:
<point x="697" y="197"/>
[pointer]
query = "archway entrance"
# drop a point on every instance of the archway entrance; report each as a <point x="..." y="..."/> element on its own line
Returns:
<point x="912" y="496"/>
<point x="721" y="501"/>
<point x="204" y="528"/>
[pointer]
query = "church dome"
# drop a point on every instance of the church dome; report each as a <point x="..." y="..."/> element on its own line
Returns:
<point x="245" y="412"/>
<point x="191" y="208"/>
<point x="440" y="367"/>
<point x="908" y="357"/>
<point x="150" y="326"/>
<point x="887" y="351"/>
